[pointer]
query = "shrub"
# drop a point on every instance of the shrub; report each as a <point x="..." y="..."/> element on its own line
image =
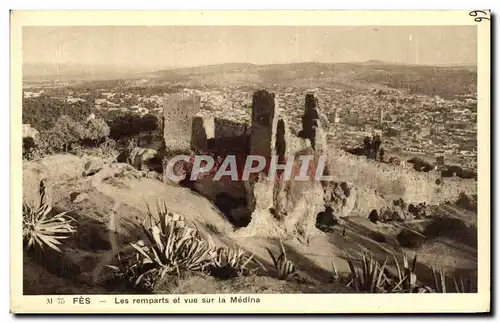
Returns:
<point x="285" y="269"/>
<point x="96" y="131"/>
<point x="171" y="247"/>
<point x="407" y="277"/>
<point x="40" y="228"/>
<point x="231" y="262"/>
<point x="441" y="283"/>
<point x="371" y="278"/>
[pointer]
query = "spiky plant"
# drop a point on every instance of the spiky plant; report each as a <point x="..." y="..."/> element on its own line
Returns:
<point x="171" y="246"/>
<point x="468" y="286"/>
<point x="285" y="268"/>
<point x="335" y="273"/>
<point x="371" y="278"/>
<point x="128" y="271"/>
<point x="40" y="228"/>
<point x="232" y="262"/>
<point x="439" y="281"/>
<point x="407" y="278"/>
<point x="441" y="286"/>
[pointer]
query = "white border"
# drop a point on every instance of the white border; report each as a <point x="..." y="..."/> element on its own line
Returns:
<point x="92" y="4"/>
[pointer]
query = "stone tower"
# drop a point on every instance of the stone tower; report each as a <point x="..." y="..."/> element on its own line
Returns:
<point x="310" y="119"/>
<point x="380" y="116"/>
<point x="264" y="124"/>
<point x="336" y="118"/>
<point x="178" y="111"/>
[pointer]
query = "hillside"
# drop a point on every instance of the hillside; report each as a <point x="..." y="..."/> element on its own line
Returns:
<point x="108" y="199"/>
<point x="445" y="81"/>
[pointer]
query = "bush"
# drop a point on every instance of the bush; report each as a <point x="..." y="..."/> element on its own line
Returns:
<point x="231" y="262"/>
<point x="170" y="248"/>
<point x="96" y="131"/>
<point x="371" y="278"/>
<point x="69" y="136"/>
<point x="285" y="269"/>
<point x="374" y="278"/>
<point x="31" y="150"/>
<point x="441" y="283"/>
<point x="40" y="228"/>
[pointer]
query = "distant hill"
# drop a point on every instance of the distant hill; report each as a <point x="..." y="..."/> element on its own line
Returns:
<point x="445" y="81"/>
<point x="70" y="71"/>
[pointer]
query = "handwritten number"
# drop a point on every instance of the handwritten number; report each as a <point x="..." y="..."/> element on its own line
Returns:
<point x="475" y="13"/>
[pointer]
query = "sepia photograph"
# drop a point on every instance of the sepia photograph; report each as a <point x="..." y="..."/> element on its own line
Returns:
<point x="239" y="161"/>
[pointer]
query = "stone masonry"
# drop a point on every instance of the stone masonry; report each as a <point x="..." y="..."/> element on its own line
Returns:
<point x="178" y="112"/>
<point x="310" y="119"/>
<point x="264" y="124"/>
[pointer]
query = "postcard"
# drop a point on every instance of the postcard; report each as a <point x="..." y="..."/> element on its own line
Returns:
<point x="250" y="161"/>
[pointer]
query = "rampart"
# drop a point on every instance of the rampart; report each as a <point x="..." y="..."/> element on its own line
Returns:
<point x="393" y="181"/>
<point x="268" y="135"/>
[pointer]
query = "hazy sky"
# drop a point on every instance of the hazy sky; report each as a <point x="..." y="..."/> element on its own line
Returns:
<point x="169" y="46"/>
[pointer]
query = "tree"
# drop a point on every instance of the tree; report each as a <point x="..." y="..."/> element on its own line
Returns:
<point x="150" y="123"/>
<point x="53" y="141"/>
<point x="125" y="126"/>
<point x="96" y="131"/>
<point x="68" y="132"/>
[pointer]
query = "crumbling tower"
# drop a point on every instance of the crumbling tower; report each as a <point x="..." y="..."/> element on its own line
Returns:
<point x="380" y="117"/>
<point x="336" y="118"/>
<point x="178" y="111"/>
<point x="310" y="119"/>
<point x="264" y="124"/>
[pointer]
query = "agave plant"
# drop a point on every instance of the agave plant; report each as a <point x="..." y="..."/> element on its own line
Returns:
<point x="371" y="278"/>
<point x="468" y="287"/>
<point x="40" y="228"/>
<point x="231" y="262"/>
<point x="284" y="267"/>
<point x="335" y="273"/>
<point x="439" y="281"/>
<point x="407" y="278"/>
<point x="441" y="286"/>
<point x="128" y="271"/>
<point x="171" y="246"/>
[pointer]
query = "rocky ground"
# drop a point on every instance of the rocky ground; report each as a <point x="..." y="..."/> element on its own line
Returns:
<point x="106" y="199"/>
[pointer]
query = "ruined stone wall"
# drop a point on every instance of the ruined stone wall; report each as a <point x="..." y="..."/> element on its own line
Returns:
<point x="393" y="181"/>
<point x="178" y="112"/>
<point x="228" y="128"/>
<point x="203" y="130"/>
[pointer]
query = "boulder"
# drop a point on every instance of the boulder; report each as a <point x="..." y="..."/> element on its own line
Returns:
<point x="410" y="239"/>
<point x="92" y="166"/>
<point x="400" y="211"/>
<point x="467" y="202"/>
<point x="53" y="170"/>
<point x="138" y="157"/>
<point x="385" y="214"/>
<point x="340" y="197"/>
<point x="79" y="197"/>
<point x="326" y="220"/>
